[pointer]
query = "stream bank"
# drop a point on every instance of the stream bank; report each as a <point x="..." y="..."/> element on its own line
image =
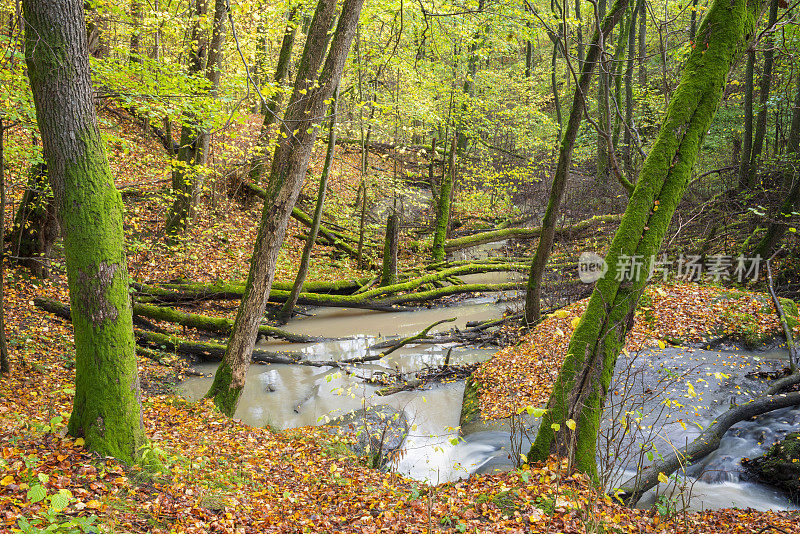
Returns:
<point x="443" y="444"/>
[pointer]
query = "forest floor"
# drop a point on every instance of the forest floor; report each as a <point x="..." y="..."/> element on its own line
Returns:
<point x="222" y="476"/>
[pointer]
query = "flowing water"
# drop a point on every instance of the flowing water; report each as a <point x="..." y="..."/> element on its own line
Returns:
<point x="699" y="383"/>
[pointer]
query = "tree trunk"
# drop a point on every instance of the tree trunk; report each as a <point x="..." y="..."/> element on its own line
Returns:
<point x="747" y="141"/>
<point x="777" y="228"/>
<point x="793" y="141"/>
<point x="534" y="289"/>
<point x="603" y="105"/>
<point x="579" y="34"/>
<point x="580" y="389"/>
<point x="763" y="97"/>
<point x="106" y="410"/>
<point x="643" y="46"/>
<point x="5" y="364"/>
<point x="35" y="227"/>
<point x="493" y="236"/>
<point x="184" y="173"/>
<point x="389" y="267"/>
<point x="289" y="165"/>
<point x="302" y="271"/>
<point x="443" y="209"/>
<point x="270" y="110"/>
<point x="627" y="137"/>
<point x="136" y="18"/>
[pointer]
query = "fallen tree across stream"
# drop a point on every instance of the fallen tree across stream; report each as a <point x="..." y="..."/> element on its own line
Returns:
<point x="204" y="351"/>
<point x="493" y="236"/>
<point x="386" y="298"/>
<point x="709" y="440"/>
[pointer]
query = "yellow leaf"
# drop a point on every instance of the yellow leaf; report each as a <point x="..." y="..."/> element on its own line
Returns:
<point x="8" y="479"/>
<point x="561" y="314"/>
<point x="556" y="427"/>
<point x="661" y="345"/>
<point x="95" y="504"/>
<point x="79" y="442"/>
<point x="575" y="322"/>
<point x="570" y="424"/>
<point x="662" y="478"/>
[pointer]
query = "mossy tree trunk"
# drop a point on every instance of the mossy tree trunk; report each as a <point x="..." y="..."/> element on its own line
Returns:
<point x="35" y="227"/>
<point x="389" y="267"/>
<point x="302" y="271"/>
<point x="548" y="231"/>
<point x="107" y="409"/>
<point x="270" y="109"/>
<point x="580" y="389"/>
<point x="289" y="165"/>
<point x="443" y="207"/>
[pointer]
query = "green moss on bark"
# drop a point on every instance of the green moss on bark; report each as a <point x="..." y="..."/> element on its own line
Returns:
<point x="580" y="389"/>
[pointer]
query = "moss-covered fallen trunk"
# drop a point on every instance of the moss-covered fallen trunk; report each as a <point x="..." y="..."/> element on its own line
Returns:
<point x="218" y="325"/>
<point x="197" y="292"/>
<point x="327" y="236"/>
<point x="493" y="236"/>
<point x="205" y="351"/>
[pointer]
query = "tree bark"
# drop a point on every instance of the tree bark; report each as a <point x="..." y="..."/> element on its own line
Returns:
<point x="106" y="409"/>
<point x="136" y="18"/>
<point x="763" y="97"/>
<point x="270" y="110"/>
<point x="443" y="209"/>
<point x="35" y="227"/>
<point x="548" y="231"/>
<point x="643" y="46"/>
<point x="184" y="174"/>
<point x="747" y="141"/>
<point x="627" y="137"/>
<point x="580" y="389"/>
<point x="302" y="271"/>
<point x="289" y="165"/>
<point x="389" y="266"/>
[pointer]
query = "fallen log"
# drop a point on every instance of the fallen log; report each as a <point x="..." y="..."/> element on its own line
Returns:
<point x="708" y="441"/>
<point x="218" y="325"/>
<point x="341" y="287"/>
<point x="207" y="352"/>
<point x="451" y="290"/>
<point x="444" y="274"/>
<point x="227" y="291"/>
<point x="493" y="236"/>
<point x="334" y="238"/>
<point x="419" y="335"/>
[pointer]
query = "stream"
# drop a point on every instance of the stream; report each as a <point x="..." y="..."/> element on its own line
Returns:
<point x="436" y="450"/>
